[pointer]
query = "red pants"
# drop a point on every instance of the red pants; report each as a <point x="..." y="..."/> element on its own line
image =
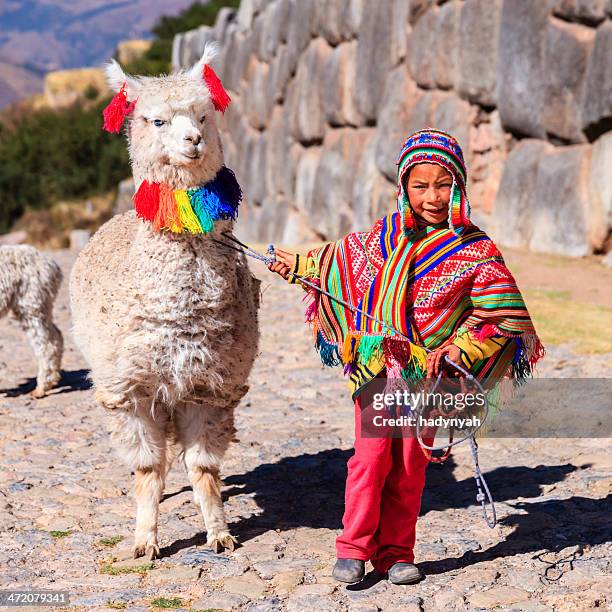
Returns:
<point x="385" y="481"/>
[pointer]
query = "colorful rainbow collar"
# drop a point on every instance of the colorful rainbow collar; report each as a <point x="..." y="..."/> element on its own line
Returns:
<point x="190" y="210"/>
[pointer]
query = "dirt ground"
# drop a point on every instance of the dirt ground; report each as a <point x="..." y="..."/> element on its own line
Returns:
<point x="67" y="513"/>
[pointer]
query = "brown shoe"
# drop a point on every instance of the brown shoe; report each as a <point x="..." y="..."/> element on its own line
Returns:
<point x="404" y="573"/>
<point x="349" y="570"/>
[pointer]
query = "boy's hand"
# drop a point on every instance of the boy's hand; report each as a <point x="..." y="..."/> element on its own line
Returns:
<point x="437" y="363"/>
<point x="283" y="264"/>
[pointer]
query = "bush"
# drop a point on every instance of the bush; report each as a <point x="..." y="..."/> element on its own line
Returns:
<point x="50" y="155"/>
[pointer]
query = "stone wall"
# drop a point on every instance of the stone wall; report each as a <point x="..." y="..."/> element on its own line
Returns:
<point x="325" y="91"/>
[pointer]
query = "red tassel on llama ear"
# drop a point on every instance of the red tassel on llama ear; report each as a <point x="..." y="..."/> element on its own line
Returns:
<point x="218" y="95"/>
<point x="117" y="110"/>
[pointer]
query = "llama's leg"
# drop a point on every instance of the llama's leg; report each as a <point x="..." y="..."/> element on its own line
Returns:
<point x="140" y="440"/>
<point x="205" y="433"/>
<point x="48" y="344"/>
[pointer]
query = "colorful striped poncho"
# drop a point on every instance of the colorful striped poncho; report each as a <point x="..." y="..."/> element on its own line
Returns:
<point x="435" y="284"/>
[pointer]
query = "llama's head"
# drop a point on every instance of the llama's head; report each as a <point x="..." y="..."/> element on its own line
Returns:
<point x="172" y="132"/>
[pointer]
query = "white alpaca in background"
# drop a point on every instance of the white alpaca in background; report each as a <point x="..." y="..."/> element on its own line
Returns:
<point x="167" y="319"/>
<point x="29" y="281"/>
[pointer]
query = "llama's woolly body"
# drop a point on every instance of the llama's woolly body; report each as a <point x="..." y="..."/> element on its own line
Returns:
<point x="164" y="317"/>
<point x="29" y="282"/>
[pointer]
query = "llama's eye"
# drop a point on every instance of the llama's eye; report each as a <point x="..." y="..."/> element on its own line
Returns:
<point x="158" y="122"/>
<point x="202" y="118"/>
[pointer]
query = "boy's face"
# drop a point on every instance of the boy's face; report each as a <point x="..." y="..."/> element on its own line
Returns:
<point x="429" y="190"/>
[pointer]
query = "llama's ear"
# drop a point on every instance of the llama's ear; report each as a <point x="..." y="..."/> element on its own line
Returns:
<point x="123" y="102"/>
<point x="116" y="78"/>
<point x="203" y="70"/>
<point x="211" y="50"/>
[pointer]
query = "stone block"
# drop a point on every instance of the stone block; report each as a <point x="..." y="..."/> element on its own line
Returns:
<point x="520" y="66"/>
<point x="328" y="20"/>
<point x="298" y="230"/>
<point x="478" y="48"/>
<point x="336" y="172"/>
<point x="305" y="176"/>
<point x="125" y="193"/>
<point x="225" y="17"/>
<point x="258" y="94"/>
<point x="187" y="48"/>
<point x="280" y="162"/>
<point x="422" y="42"/>
<point x="373" y="57"/>
<point x="304" y="99"/>
<point x="446" y="62"/>
<point x="600" y="192"/>
<point x="597" y="104"/>
<point x="352" y="16"/>
<point x="487" y="157"/>
<point x="301" y="26"/>
<point x="239" y="49"/>
<point x="339" y="20"/>
<point x="418" y="8"/>
<point x="591" y="12"/>
<point x="399" y="41"/>
<point x="373" y="195"/>
<point x="220" y="600"/>
<point x="568" y="46"/>
<point x="255" y="167"/>
<point x="280" y="74"/>
<point x="498" y="596"/>
<point x="246" y="14"/>
<point x="455" y="116"/>
<point x="274" y="28"/>
<point x="271" y="222"/>
<point x="338" y="86"/>
<point x="79" y="239"/>
<point x="561" y="211"/>
<point x="250" y="585"/>
<point x="399" y="99"/>
<point x="514" y="206"/>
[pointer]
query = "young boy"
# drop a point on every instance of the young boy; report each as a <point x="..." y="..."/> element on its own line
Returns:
<point x="428" y="273"/>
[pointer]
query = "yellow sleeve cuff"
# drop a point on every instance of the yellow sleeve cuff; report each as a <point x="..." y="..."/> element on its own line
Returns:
<point x="299" y="268"/>
<point x="473" y="350"/>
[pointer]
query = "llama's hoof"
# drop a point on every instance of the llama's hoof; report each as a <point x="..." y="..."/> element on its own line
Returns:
<point x="151" y="551"/>
<point x="221" y="541"/>
<point x="38" y="393"/>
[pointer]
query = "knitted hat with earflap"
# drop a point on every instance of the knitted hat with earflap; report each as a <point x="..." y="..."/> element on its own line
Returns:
<point x="434" y="147"/>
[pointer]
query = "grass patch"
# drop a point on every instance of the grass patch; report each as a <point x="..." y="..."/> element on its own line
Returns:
<point x="109" y="542"/>
<point x="113" y="570"/>
<point x="165" y="602"/>
<point x="559" y="319"/>
<point x="116" y="605"/>
<point x="59" y="534"/>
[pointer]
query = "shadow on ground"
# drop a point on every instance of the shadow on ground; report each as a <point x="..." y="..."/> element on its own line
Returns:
<point x="544" y="528"/>
<point x="308" y="491"/>
<point x="71" y="380"/>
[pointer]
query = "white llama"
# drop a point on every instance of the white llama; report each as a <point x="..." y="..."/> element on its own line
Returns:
<point x="29" y="281"/>
<point x="167" y="319"/>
